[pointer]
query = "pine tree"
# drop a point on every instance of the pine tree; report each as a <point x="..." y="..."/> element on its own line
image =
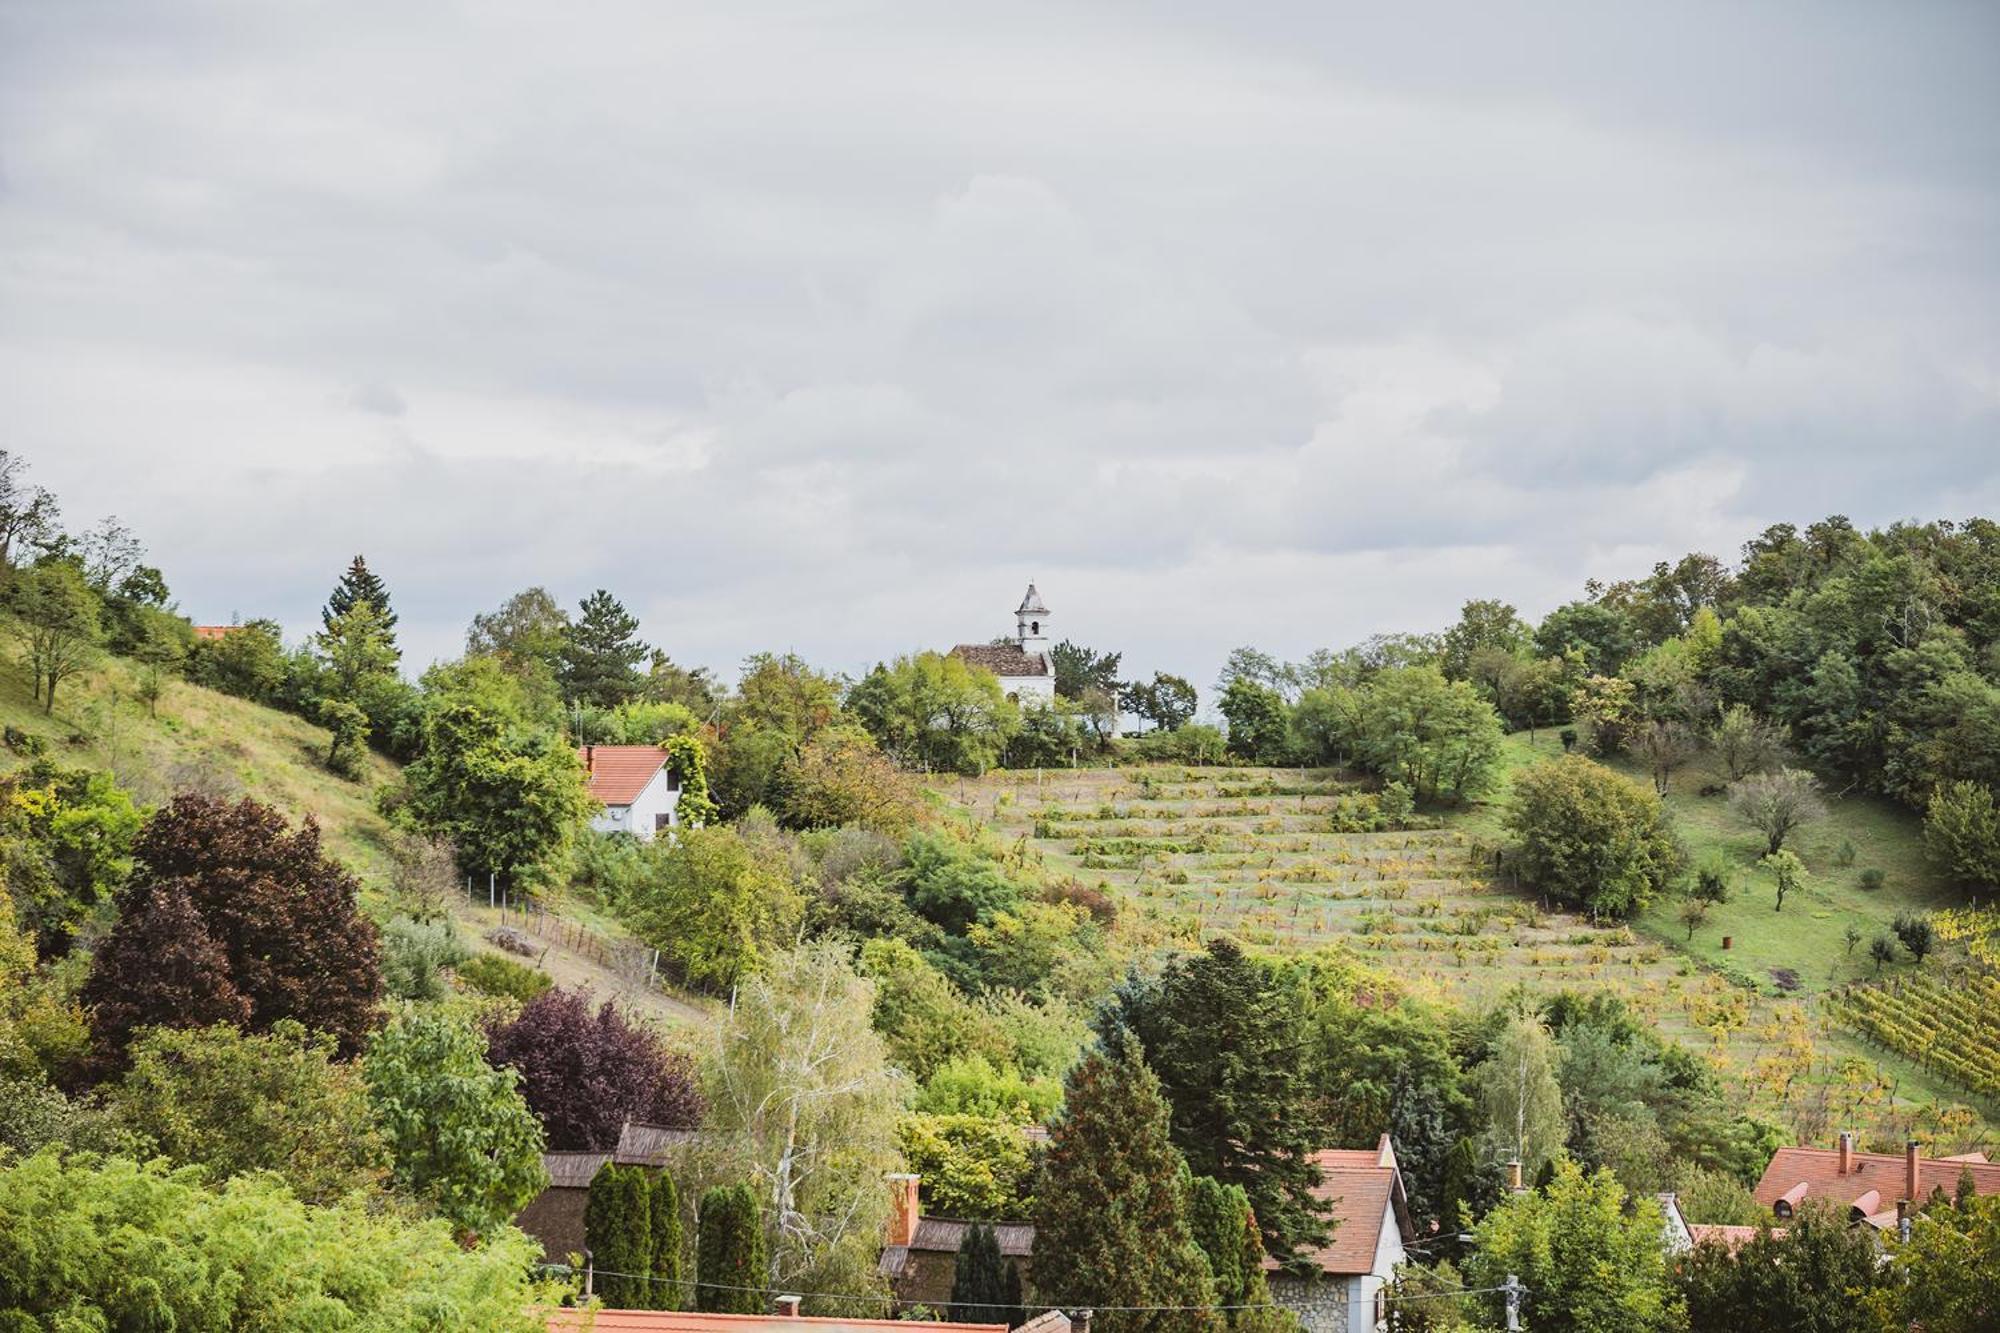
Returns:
<point x="1226" y="1230"/>
<point x="1014" y="1302"/>
<point x="729" y="1253"/>
<point x="1111" y="1215"/>
<point x="1227" y="1038"/>
<point x="978" y="1279"/>
<point x="666" y="1212"/>
<point x="600" y="658"/>
<point x="618" y="1228"/>
<point x="360" y="584"/>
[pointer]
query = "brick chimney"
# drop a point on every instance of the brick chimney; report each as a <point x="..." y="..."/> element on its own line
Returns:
<point x="589" y="760"/>
<point x="1514" y="1176"/>
<point x="785" y="1307"/>
<point x="1079" y="1321"/>
<point x="1910" y="1173"/>
<point x="1846" y="1153"/>
<point x="903" y="1210"/>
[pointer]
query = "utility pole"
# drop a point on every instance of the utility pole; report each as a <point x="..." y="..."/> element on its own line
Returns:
<point x="1513" y="1290"/>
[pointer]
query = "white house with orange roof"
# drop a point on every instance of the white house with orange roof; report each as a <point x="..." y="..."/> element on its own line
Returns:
<point x="1362" y="1190"/>
<point x="634" y="785"/>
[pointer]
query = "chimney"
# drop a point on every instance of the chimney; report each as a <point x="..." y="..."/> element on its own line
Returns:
<point x="1514" y="1176"/>
<point x="1846" y="1153"/>
<point x="1903" y="1220"/>
<point x="1910" y="1173"/>
<point x="589" y="760"/>
<point x="1079" y="1321"/>
<point x="785" y="1307"/>
<point x="903" y="1210"/>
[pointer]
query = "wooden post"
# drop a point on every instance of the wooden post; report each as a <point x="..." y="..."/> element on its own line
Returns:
<point x="490" y="881"/>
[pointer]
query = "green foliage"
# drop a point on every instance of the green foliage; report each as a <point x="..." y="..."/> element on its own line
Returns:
<point x="687" y="764"/>
<point x="414" y="956"/>
<point x="237" y="1103"/>
<point x="618" y="1231"/>
<point x="715" y="903"/>
<point x="490" y="974"/>
<point x="1819" y="1273"/>
<point x="1715" y="1197"/>
<point x="1519" y="1094"/>
<point x="1438" y="737"/>
<point x="935" y="713"/>
<point x="67" y="837"/>
<point x="730" y="1267"/>
<point x="1962" y="832"/>
<point x="1112" y="1224"/>
<point x="839" y="777"/>
<point x="979" y="1288"/>
<point x="459" y="1133"/>
<point x="1589" y="836"/>
<point x="971" y="1085"/>
<point x="800" y="1089"/>
<point x="1917" y="933"/>
<point x="1223" y="1032"/>
<point x="1190" y="743"/>
<point x="1776" y="804"/>
<point x="1167" y="701"/>
<point x="1080" y="670"/>
<point x="359" y="585"/>
<point x="601" y="653"/>
<point x="926" y="1022"/>
<point x="954" y="886"/>
<point x="1225" y="1229"/>
<point x="245" y="1256"/>
<point x="664" y="1200"/>
<point x="970" y="1165"/>
<point x="60" y="621"/>
<point x="1787" y="873"/>
<point x="1592" y="1260"/>
<point x="1943" y="1280"/>
<point x="1259" y="725"/>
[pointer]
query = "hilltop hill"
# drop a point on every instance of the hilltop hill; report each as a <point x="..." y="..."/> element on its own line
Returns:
<point x="217" y="742"/>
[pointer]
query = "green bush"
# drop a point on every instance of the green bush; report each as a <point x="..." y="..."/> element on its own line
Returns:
<point x="414" y="955"/>
<point x="490" y="974"/>
<point x="729" y="1252"/>
<point x="1872" y="879"/>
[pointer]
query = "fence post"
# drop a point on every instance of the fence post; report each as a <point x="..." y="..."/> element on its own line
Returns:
<point x="490" y="879"/>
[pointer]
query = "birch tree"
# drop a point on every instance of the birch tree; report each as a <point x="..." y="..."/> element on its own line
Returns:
<point x="803" y="1107"/>
<point x="1520" y="1095"/>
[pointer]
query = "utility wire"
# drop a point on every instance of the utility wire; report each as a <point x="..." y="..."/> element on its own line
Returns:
<point x="874" y="1300"/>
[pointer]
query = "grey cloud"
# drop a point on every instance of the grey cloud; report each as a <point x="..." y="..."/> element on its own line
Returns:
<point x="824" y="328"/>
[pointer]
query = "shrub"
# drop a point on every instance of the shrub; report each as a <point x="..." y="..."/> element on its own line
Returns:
<point x="1589" y="836"/>
<point x="586" y="1073"/>
<point x="414" y="956"/>
<point x="729" y="1252"/>
<point x="1916" y="933"/>
<point x="490" y="974"/>
<point x="1872" y="879"/>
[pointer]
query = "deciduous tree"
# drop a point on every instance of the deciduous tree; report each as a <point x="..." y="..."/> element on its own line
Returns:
<point x="459" y="1134"/>
<point x="1586" y="835"/>
<point x="1592" y="1260"/>
<point x="60" y="618"/>
<point x="585" y="1071"/>
<point x="1776" y="804"/>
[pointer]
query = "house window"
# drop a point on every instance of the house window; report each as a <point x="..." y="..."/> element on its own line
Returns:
<point x="663" y="820"/>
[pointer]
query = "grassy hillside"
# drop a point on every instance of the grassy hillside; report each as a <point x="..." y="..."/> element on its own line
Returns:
<point x="202" y="738"/>
<point x="220" y="743"/>
<point x="1253" y="852"/>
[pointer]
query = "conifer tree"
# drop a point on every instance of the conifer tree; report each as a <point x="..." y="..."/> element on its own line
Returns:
<point x="1226" y="1230"/>
<point x="1014" y="1307"/>
<point x="1226" y="1039"/>
<point x="359" y="584"/>
<point x="618" y="1228"/>
<point x="729" y="1252"/>
<point x="978" y="1279"/>
<point x="1111" y="1215"/>
<point x="665" y="1198"/>
<point x="600" y="658"/>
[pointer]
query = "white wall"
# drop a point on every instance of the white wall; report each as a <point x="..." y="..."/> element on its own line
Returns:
<point x="1389" y="1252"/>
<point x="659" y="798"/>
<point x="1029" y="689"/>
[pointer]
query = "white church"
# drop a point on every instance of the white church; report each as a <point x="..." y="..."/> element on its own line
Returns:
<point x="1023" y="664"/>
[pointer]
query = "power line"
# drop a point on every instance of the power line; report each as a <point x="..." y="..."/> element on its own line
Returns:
<point x="875" y="1300"/>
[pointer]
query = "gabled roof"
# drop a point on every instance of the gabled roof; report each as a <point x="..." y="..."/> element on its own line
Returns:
<point x="1360" y="1188"/>
<point x="1031" y="605"/>
<point x="1801" y="1175"/>
<point x="618" y="773"/>
<point x="1732" y="1238"/>
<point x="1003" y="659"/>
<point x="215" y="631"/>
<point x="678" y="1321"/>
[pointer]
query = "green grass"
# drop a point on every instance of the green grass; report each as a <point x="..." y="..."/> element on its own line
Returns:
<point x="1251" y="852"/>
<point x="223" y="741"/>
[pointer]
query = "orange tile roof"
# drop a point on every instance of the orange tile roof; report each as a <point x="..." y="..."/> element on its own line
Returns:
<point x="1360" y="1187"/>
<point x="618" y="773"/>
<point x="677" y="1321"/>
<point x="1715" y="1233"/>
<point x="215" y="631"/>
<point x="1881" y="1175"/>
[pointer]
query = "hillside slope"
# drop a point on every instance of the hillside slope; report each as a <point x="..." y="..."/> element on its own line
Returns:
<point x="217" y="742"/>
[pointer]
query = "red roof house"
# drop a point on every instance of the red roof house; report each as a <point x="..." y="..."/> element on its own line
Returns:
<point x="635" y="787"/>
<point x="790" y="1321"/>
<point x="1868" y="1184"/>
<point x="1363" y="1195"/>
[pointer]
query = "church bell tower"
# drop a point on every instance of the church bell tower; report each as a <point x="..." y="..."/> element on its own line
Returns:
<point x="1031" y="623"/>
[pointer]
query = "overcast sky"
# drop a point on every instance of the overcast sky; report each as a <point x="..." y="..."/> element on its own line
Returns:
<point x="827" y="327"/>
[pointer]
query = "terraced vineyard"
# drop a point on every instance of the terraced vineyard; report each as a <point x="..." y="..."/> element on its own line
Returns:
<point x="1949" y="1023"/>
<point x="1268" y="856"/>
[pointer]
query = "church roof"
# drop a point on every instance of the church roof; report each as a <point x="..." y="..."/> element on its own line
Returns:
<point x="1031" y="605"/>
<point x="1003" y="659"/>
